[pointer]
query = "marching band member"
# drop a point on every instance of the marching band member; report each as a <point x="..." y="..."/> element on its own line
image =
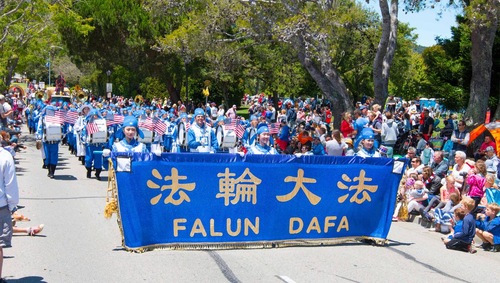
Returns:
<point x="367" y="144"/>
<point x="129" y="143"/>
<point x="50" y="134"/>
<point x="157" y="143"/>
<point x="200" y="137"/>
<point x="70" y="135"/>
<point x="94" y="142"/>
<point x="77" y="130"/>
<point x="262" y="146"/>
<point x="250" y="136"/>
<point x="170" y="136"/>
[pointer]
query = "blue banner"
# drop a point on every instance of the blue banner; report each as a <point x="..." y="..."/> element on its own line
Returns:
<point x="221" y="199"/>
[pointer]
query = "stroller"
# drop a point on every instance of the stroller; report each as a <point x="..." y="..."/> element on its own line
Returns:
<point x="404" y="141"/>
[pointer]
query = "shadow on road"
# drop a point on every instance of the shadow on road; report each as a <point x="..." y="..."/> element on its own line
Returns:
<point x="65" y="177"/>
<point x="28" y="279"/>
<point x="392" y="243"/>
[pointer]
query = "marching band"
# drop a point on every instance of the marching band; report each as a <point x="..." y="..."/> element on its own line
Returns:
<point x="92" y="131"/>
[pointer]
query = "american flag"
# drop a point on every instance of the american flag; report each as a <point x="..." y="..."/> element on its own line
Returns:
<point x="146" y="124"/>
<point x="274" y="128"/>
<point x="239" y="130"/>
<point x="92" y="128"/>
<point x="230" y="124"/>
<point x="188" y="125"/>
<point x="55" y="117"/>
<point x="159" y="126"/>
<point x="114" y="119"/>
<point x="71" y="117"/>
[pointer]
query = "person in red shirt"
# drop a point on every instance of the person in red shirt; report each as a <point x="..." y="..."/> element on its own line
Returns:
<point x="328" y="117"/>
<point x="346" y="126"/>
<point x="488" y="141"/>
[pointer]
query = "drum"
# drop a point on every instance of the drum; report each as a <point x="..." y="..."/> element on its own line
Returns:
<point x="148" y="136"/>
<point x="102" y="135"/>
<point x="219" y="133"/>
<point x="52" y="132"/>
<point x="230" y="139"/>
<point x="181" y="134"/>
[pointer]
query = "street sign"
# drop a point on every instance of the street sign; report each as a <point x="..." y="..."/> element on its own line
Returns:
<point x="41" y="85"/>
<point x="109" y="87"/>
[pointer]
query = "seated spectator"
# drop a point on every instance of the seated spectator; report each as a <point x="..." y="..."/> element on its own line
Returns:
<point x="403" y="196"/>
<point x="412" y="152"/>
<point x="481" y="152"/>
<point x="350" y="147"/>
<point x="317" y="147"/>
<point x="304" y="136"/>
<point x="488" y="228"/>
<point x="443" y="218"/>
<point x="439" y="202"/>
<point x="460" y="170"/>
<point x="292" y="147"/>
<point x="439" y="165"/>
<point x="416" y="166"/>
<point x="417" y="197"/>
<point x="492" y="160"/>
<point x="465" y="228"/>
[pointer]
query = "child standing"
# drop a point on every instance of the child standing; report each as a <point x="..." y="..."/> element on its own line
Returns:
<point x="476" y="180"/>
<point x="488" y="228"/>
<point x="461" y="240"/>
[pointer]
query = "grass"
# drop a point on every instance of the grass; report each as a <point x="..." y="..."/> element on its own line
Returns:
<point x="243" y="111"/>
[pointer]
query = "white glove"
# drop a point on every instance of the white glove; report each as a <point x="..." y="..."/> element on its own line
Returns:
<point x="157" y="152"/>
<point x="298" y="154"/>
<point x="106" y="152"/>
<point x="241" y="153"/>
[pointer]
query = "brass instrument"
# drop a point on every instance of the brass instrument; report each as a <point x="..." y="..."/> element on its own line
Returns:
<point x="138" y="99"/>
<point x="50" y="92"/>
<point x="41" y="95"/>
<point x="81" y="96"/>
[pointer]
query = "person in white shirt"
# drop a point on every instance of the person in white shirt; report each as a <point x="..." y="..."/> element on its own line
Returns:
<point x="335" y="146"/>
<point x="9" y="198"/>
<point x="231" y="113"/>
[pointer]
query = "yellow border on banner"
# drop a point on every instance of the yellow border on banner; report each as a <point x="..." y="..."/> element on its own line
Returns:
<point x="112" y="198"/>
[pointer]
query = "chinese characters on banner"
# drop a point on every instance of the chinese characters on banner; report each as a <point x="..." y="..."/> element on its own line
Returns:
<point x="224" y="198"/>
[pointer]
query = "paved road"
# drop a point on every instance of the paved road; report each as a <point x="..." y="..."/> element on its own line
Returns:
<point x="79" y="245"/>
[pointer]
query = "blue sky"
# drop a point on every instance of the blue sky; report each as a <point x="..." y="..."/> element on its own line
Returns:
<point x="427" y="23"/>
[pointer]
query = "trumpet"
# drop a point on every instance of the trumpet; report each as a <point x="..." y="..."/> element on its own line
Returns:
<point x="138" y="99"/>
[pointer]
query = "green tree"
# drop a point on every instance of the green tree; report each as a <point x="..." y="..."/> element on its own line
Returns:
<point x="24" y="29"/>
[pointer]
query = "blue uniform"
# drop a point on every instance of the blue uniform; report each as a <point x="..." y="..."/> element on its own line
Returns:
<point x="50" y="145"/>
<point x="259" y="149"/>
<point x="202" y="139"/>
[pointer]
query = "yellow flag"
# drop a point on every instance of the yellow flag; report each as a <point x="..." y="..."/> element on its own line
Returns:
<point x="206" y="92"/>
